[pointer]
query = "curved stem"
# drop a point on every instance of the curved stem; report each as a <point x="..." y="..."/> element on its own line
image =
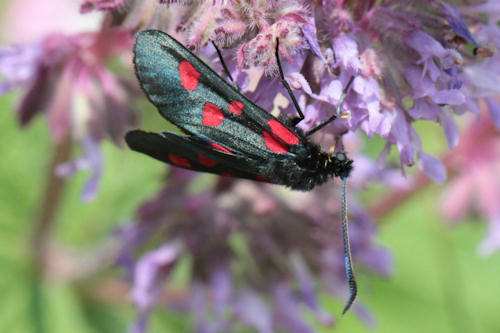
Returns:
<point x="45" y="219"/>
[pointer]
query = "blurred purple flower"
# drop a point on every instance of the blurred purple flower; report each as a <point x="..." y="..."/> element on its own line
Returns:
<point x="247" y="241"/>
<point x="18" y="66"/>
<point x="66" y="77"/>
<point x="475" y="184"/>
<point x="91" y="159"/>
<point x="91" y="5"/>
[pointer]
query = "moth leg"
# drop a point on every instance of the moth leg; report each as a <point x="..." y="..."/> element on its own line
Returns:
<point x="287" y="86"/>
<point x="226" y="70"/>
<point x="337" y="113"/>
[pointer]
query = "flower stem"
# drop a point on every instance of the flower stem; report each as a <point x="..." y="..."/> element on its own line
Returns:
<point x="44" y="221"/>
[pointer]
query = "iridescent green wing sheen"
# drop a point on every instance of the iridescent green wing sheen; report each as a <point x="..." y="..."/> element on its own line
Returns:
<point x="192" y="96"/>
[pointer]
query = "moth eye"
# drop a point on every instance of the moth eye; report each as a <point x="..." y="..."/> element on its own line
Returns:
<point x="341" y="156"/>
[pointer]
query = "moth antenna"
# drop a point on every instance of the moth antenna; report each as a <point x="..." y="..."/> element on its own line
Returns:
<point x="353" y="288"/>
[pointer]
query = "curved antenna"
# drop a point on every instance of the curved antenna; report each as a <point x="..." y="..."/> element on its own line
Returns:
<point x="353" y="288"/>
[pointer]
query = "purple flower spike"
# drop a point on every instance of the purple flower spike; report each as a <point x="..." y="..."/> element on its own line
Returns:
<point x="456" y="22"/>
<point x="150" y="272"/>
<point x="309" y="32"/>
<point x="306" y="284"/>
<point x="91" y="5"/>
<point x="491" y="242"/>
<point x="432" y="167"/>
<point x="253" y="311"/>
<point x="494" y="109"/>
<point x="66" y="77"/>
<point x="287" y="314"/>
<point x="221" y="287"/>
<point x="91" y="159"/>
<point x="278" y="241"/>
<point x="18" y="65"/>
<point x="489" y="7"/>
<point x="346" y="50"/>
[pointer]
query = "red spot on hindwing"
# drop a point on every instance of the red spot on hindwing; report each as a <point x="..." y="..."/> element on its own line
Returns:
<point x="273" y="144"/>
<point x="236" y="107"/>
<point x="282" y="132"/>
<point x="262" y="178"/>
<point x="206" y="161"/>
<point x="225" y="174"/>
<point x="189" y="75"/>
<point x="212" y="115"/>
<point x="180" y="161"/>
<point x="220" y="148"/>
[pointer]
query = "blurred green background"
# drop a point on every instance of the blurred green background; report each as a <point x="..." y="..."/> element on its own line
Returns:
<point x="439" y="283"/>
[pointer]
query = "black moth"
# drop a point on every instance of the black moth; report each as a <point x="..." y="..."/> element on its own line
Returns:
<point x="226" y="133"/>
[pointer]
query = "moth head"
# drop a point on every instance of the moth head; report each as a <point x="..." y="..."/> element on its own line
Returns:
<point x="342" y="165"/>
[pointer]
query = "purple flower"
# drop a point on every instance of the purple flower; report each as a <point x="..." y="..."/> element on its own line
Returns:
<point x="248" y="241"/>
<point x="90" y="5"/>
<point x="91" y="159"/>
<point x="403" y="74"/>
<point x="489" y="7"/>
<point x="66" y="77"/>
<point x="18" y="65"/>
<point x="475" y="184"/>
<point x="150" y="272"/>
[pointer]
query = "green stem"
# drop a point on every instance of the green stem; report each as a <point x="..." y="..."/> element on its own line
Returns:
<point x="44" y="222"/>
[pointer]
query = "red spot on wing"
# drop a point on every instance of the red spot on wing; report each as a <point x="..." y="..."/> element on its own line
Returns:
<point x="262" y="178"/>
<point x="189" y="75"/>
<point x="236" y="107"/>
<point x="180" y="161"/>
<point x="212" y="115"/>
<point x="282" y="132"/>
<point x="272" y="144"/>
<point x="225" y="174"/>
<point x="220" y="148"/>
<point x="206" y="161"/>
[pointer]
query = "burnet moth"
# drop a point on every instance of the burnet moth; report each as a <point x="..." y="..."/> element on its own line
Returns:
<point x="226" y="133"/>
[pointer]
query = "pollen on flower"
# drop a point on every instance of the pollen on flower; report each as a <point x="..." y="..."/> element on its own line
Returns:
<point x="370" y="63"/>
<point x="346" y="114"/>
<point x="486" y="51"/>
